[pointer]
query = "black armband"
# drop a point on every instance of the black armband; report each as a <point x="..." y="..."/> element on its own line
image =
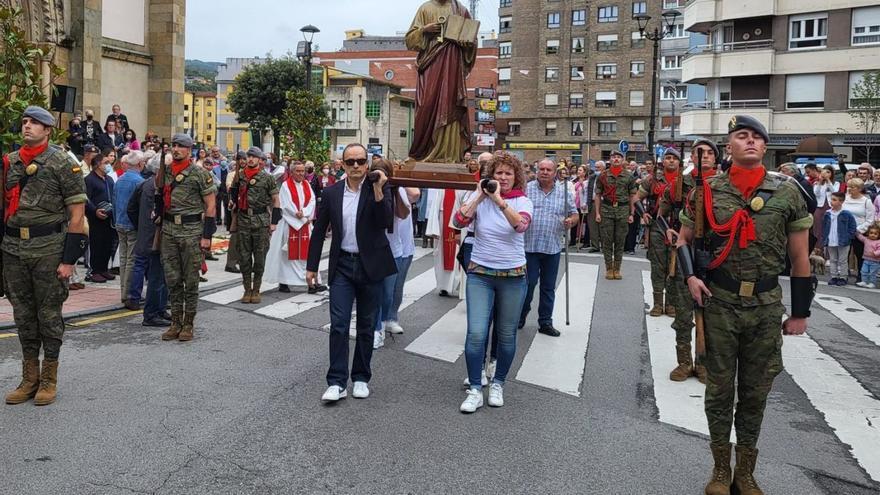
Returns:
<point x="276" y="216"/>
<point x="75" y="246"/>
<point x="685" y="262"/>
<point x="802" y="291"/>
<point x="209" y="228"/>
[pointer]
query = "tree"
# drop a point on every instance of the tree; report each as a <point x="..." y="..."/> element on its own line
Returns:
<point x="260" y="94"/>
<point x="301" y="126"/>
<point x="865" y="107"/>
<point x="20" y="78"/>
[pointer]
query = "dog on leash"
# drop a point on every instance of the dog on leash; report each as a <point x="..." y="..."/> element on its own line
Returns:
<point x="817" y="262"/>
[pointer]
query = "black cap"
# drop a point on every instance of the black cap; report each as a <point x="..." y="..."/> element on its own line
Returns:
<point x="738" y="122"/>
<point x="708" y="142"/>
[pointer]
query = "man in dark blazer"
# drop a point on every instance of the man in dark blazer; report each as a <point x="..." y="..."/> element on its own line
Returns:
<point x="359" y="210"/>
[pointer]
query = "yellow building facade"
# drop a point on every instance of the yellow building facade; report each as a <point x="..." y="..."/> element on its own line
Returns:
<point x="200" y="117"/>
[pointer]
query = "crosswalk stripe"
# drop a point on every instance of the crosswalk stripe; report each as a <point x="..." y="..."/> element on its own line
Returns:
<point x="558" y="363"/>
<point x="679" y="403"/>
<point x="444" y="340"/>
<point x="858" y="317"/>
<point x="850" y="410"/>
<point x="293" y="306"/>
<point x="234" y="294"/>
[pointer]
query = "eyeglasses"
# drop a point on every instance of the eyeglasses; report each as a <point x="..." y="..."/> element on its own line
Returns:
<point x="360" y="161"/>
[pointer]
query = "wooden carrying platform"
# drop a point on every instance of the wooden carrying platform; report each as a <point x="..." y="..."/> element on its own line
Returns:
<point x="434" y="176"/>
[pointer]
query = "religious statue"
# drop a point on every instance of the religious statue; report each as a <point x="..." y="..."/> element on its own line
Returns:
<point x="445" y="36"/>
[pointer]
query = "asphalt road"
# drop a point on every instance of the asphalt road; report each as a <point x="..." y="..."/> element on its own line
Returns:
<point x="238" y="411"/>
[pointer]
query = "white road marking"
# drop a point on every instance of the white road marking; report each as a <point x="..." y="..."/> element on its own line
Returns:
<point x="234" y="294"/>
<point x="558" y="363"/>
<point x="444" y="340"/>
<point x="679" y="403"/>
<point x="858" y="317"/>
<point x="293" y="306"/>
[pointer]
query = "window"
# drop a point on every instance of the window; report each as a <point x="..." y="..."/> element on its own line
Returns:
<point x="505" y="24"/>
<point x="676" y="31"/>
<point x="551" y="100"/>
<point x="639" y="8"/>
<point x="636" y="98"/>
<point x="186" y="107"/>
<point x="637" y="68"/>
<point x="209" y="103"/>
<point x="578" y="17"/>
<point x="210" y="114"/>
<point x="577" y="73"/>
<point x="185" y="119"/>
<point x="808" y="31"/>
<point x="666" y="123"/>
<point x="506" y="3"/>
<point x="550" y="128"/>
<point x="805" y="91"/>
<point x="550" y="155"/>
<point x="606" y="71"/>
<point x="505" y="49"/>
<point x="577" y="128"/>
<point x="638" y="41"/>
<point x="608" y="14"/>
<point x="551" y="74"/>
<point x="670" y="4"/>
<point x="576" y="100"/>
<point x="638" y="127"/>
<point x="374" y="109"/>
<point x="671" y="62"/>
<point x="854" y="79"/>
<point x="606" y="42"/>
<point x="577" y="45"/>
<point x="607" y="127"/>
<point x="553" y="20"/>
<point x="606" y="99"/>
<point x="680" y="93"/>
<point x="513" y="128"/>
<point x="866" y="26"/>
<point x="209" y="138"/>
<point x="552" y="47"/>
<point x="504" y="76"/>
<point x="210" y="126"/>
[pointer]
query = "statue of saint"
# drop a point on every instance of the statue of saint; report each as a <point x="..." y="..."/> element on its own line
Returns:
<point x="442" y="131"/>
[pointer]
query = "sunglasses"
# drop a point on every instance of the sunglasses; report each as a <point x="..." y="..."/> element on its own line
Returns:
<point x="351" y="161"/>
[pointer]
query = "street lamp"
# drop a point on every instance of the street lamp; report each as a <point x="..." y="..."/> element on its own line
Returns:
<point x="656" y="35"/>
<point x="304" y="51"/>
<point x="673" y="85"/>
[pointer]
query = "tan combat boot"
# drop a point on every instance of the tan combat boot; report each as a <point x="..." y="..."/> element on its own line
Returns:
<point x="657" y="310"/>
<point x="246" y="282"/>
<point x="48" y="383"/>
<point x="617" y="275"/>
<point x="174" y="331"/>
<point x="720" y="482"/>
<point x="743" y="480"/>
<point x="700" y="372"/>
<point x="685" y="365"/>
<point x="609" y="271"/>
<point x="186" y="334"/>
<point x="670" y="309"/>
<point x="30" y="382"/>
<point x="256" y="298"/>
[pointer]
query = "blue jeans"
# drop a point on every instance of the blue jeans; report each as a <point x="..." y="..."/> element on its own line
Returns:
<point x="543" y="267"/>
<point x="136" y="280"/>
<point x="403" y="264"/>
<point x="870" y="270"/>
<point x="466" y="250"/>
<point x="157" y="291"/>
<point x="350" y="283"/>
<point x="386" y="299"/>
<point x="485" y="295"/>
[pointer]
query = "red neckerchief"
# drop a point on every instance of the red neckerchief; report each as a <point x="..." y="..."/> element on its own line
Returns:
<point x="746" y="181"/>
<point x="249" y="173"/>
<point x="177" y="168"/>
<point x="27" y="154"/>
<point x="513" y="193"/>
<point x="449" y="243"/>
<point x="615" y="170"/>
<point x="706" y="173"/>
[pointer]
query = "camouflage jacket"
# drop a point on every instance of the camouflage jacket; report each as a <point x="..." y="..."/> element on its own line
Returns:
<point x="188" y="198"/>
<point x="57" y="184"/>
<point x="260" y="190"/>
<point x="624" y="186"/>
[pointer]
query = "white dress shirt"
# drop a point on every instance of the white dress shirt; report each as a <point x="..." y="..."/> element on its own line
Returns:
<point x="350" y="200"/>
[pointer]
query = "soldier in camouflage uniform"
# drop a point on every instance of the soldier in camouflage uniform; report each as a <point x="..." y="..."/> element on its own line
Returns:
<point x="615" y="206"/>
<point x="44" y="204"/>
<point x="257" y="194"/>
<point x="188" y="211"/>
<point x="753" y="218"/>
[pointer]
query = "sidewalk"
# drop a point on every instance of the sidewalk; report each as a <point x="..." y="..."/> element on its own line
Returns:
<point x="98" y="298"/>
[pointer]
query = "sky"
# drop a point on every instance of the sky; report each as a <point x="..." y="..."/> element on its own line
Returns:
<point x="217" y="29"/>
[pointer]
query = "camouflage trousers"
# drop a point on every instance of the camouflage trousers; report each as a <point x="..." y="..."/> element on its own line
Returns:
<point x="613" y="228"/>
<point x="253" y="244"/>
<point x="683" y="323"/>
<point x="743" y="357"/>
<point x="37" y="295"/>
<point x="658" y="255"/>
<point x="182" y="260"/>
<point x="232" y="250"/>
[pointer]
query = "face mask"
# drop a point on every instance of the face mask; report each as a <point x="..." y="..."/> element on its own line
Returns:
<point x="325" y="171"/>
<point x="108" y="169"/>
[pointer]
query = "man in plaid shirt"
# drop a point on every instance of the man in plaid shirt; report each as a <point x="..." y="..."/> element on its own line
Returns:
<point x="554" y="214"/>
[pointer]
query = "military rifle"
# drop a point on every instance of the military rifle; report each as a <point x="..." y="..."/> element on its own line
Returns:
<point x="160" y="199"/>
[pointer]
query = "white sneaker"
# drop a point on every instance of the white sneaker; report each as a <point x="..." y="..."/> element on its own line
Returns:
<point x="379" y="339"/>
<point x="334" y="393"/>
<point x="861" y="284"/>
<point x="473" y="401"/>
<point x="496" y="395"/>
<point x="484" y="380"/>
<point x="393" y="327"/>
<point x="360" y="390"/>
<point x="490" y="369"/>
<point x="870" y="286"/>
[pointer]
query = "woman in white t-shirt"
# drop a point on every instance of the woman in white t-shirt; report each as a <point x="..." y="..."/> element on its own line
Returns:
<point x="859" y="204"/>
<point x="496" y="273"/>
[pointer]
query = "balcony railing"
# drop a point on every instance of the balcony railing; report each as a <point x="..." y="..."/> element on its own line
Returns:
<point x="726" y="104"/>
<point x="736" y="46"/>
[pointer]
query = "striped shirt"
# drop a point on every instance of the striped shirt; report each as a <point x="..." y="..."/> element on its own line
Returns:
<point x="550" y="209"/>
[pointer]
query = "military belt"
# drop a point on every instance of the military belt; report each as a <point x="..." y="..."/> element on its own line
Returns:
<point x="25" y="233"/>
<point x="611" y="203"/>
<point x="183" y="219"/>
<point x="741" y="287"/>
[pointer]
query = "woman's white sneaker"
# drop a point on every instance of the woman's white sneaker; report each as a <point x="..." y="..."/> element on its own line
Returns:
<point x="393" y="327"/>
<point x="484" y="380"/>
<point x="496" y="395"/>
<point x="473" y="401"/>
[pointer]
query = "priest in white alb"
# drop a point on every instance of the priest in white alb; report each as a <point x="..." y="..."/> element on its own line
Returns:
<point x="289" y="246"/>
<point x="441" y="205"/>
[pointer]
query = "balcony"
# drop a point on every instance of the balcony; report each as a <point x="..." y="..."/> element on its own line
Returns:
<point x="711" y="118"/>
<point x="701" y="15"/>
<point x="742" y="58"/>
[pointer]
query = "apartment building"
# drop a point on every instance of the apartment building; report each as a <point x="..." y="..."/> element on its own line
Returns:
<point x="200" y="117"/>
<point x="575" y="75"/>
<point x="231" y="134"/>
<point x="790" y="63"/>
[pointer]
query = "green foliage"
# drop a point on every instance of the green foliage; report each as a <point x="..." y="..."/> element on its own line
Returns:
<point x="865" y="105"/>
<point x="301" y="126"/>
<point x="260" y="94"/>
<point x="206" y="71"/>
<point x="20" y="78"/>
